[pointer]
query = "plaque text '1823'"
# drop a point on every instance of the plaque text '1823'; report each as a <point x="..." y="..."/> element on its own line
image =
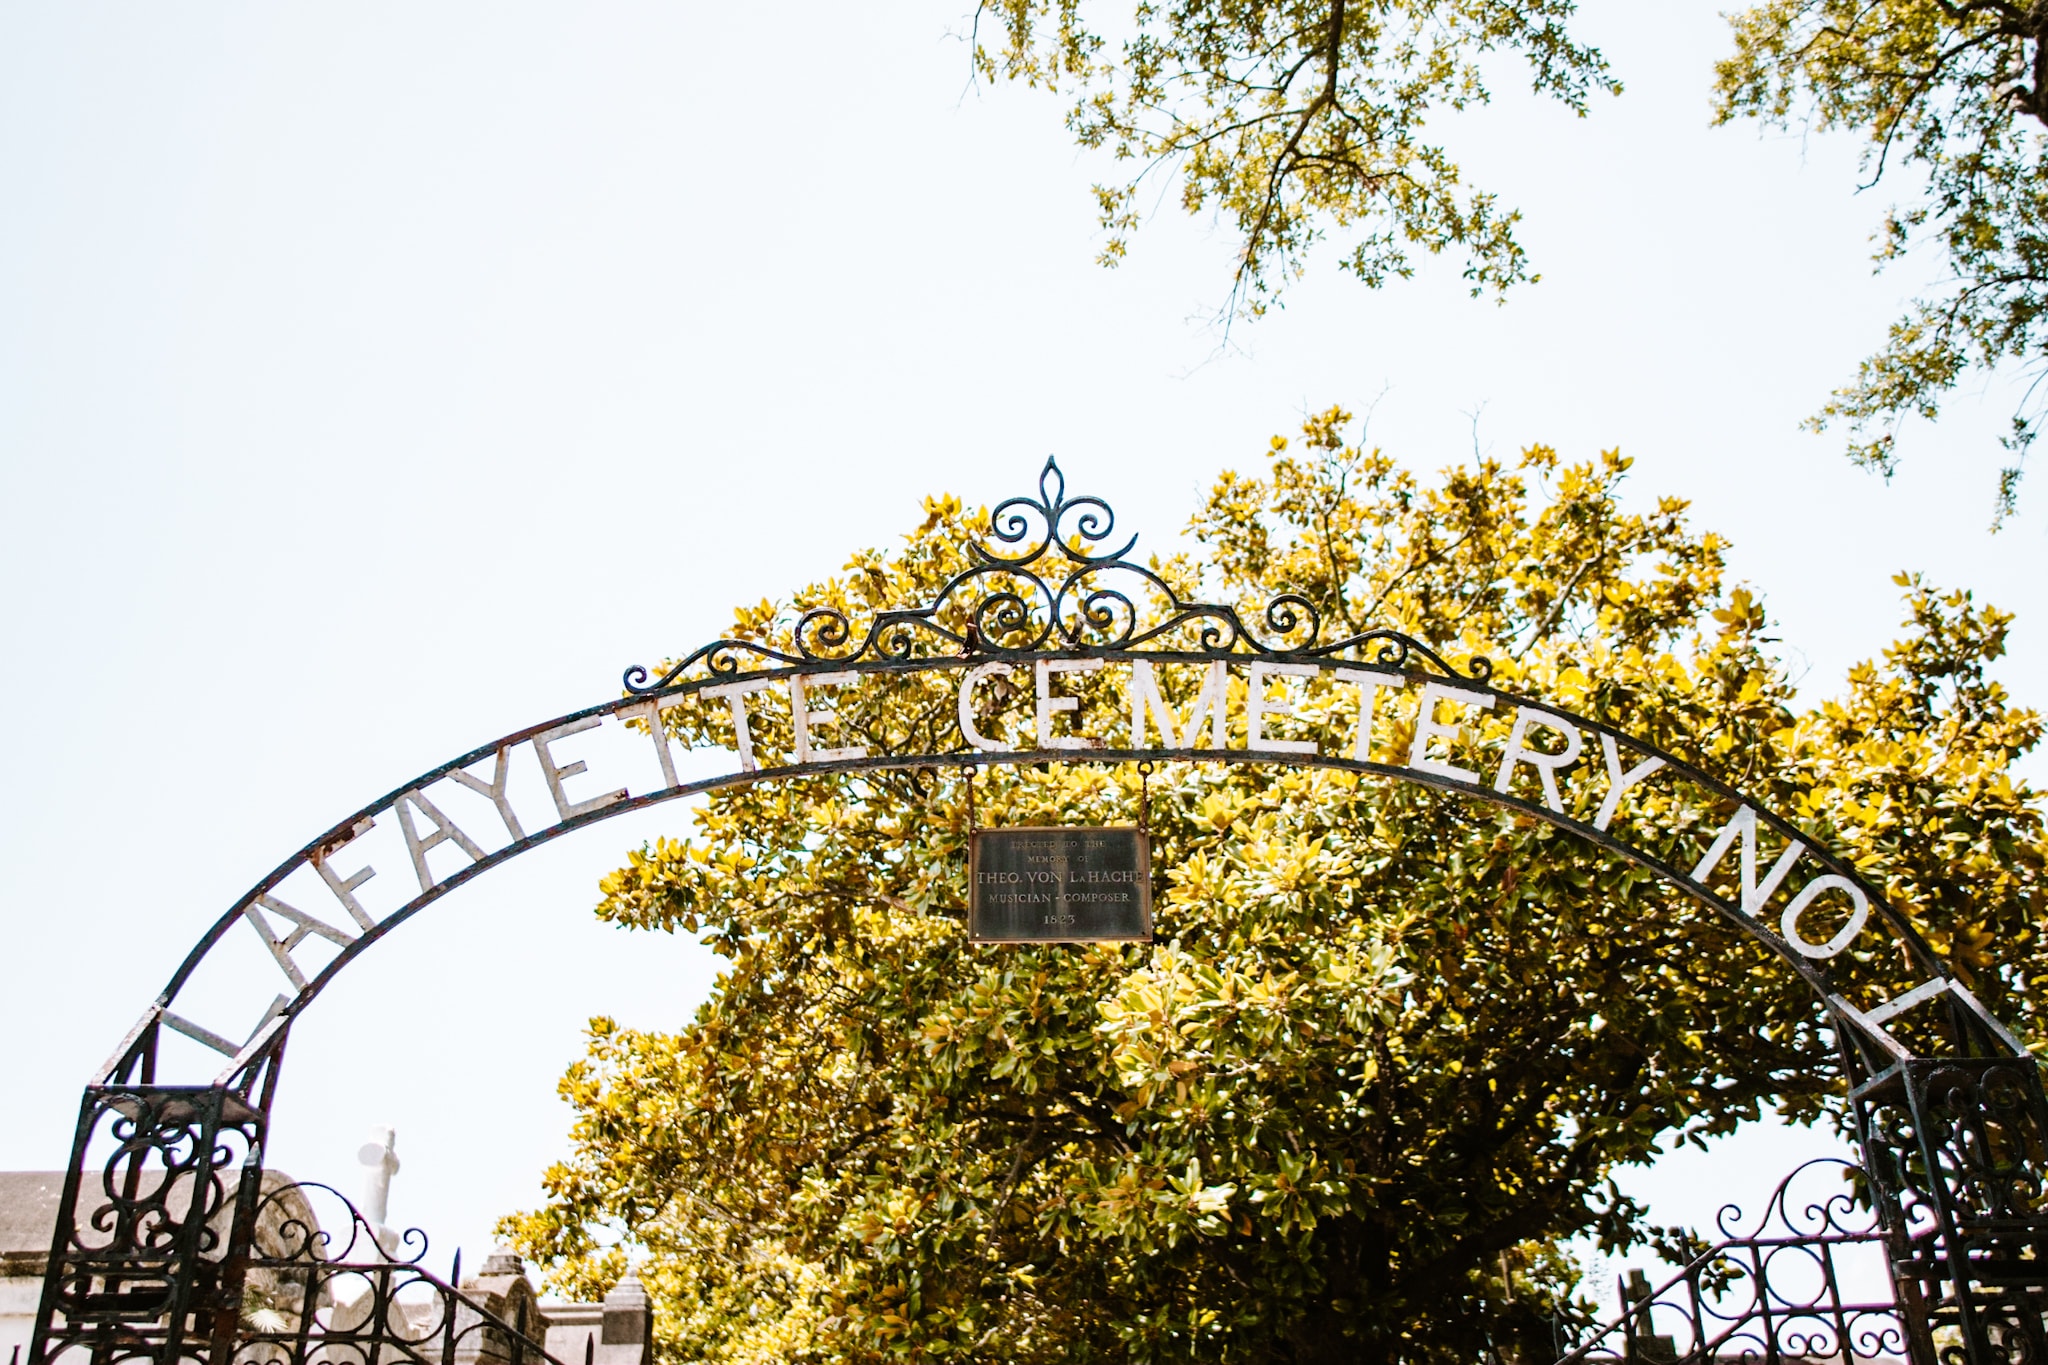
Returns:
<point x="1060" y="885"/>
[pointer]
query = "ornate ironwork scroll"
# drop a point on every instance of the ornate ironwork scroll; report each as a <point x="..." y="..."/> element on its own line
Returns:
<point x="1040" y="582"/>
<point x="323" y="1290"/>
<point x="1955" y="1151"/>
<point x="1805" y="1281"/>
<point x="175" y="1248"/>
<point x="153" y="1225"/>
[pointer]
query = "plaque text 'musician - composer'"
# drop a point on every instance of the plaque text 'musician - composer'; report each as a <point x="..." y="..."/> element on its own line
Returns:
<point x="1068" y="885"/>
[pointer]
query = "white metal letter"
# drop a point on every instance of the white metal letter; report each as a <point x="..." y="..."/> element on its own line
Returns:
<point x="735" y="694"/>
<point x="444" y="832"/>
<point x="1209" y="706"/>
<point x="1790" y="922"/>
<point x="648" y="711"/>
<point x="344" y="888"/>
<point x="1210" y="703"/>
<point x="974" y="678"/>
<point x="1753" y="895"/>
<point x="495" y="790"/>
<point x="1369" y="685"/>
<point x="801" y="712"/>
<point x="281" y="948"/>
<point x="569" y="809"/>
<point x="1546" y="765"/>
<point x="1049" y="705"/>
<point x="1427" y="727"/>
<point x="199" y="1033"/>
<point x="1257" y="705"/>
<point x="1145" y="695"/>
<point x="1618" y="782"/>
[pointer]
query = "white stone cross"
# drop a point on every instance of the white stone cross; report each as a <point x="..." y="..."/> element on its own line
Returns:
<point x="379" y="1157"/>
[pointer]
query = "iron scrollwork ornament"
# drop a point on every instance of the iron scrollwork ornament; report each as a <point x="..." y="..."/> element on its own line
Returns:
<point x="326" y="1287"/>
<point x="143" y="1262"/>
<point x="1805" y="1281"/>
<point x="1041" y="580"/>
<point x="1955" y="1149"/>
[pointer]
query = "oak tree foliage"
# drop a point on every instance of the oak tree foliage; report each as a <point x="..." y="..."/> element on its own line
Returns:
<point x="1298" y="120"/>
<point x="1290" y="117"/>
<point x="1390" y="1044"/>
<point x="1957" y="95"/>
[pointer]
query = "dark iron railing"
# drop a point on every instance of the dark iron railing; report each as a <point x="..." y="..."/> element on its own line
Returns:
<point x="345" y="1293"/>
<point x="1807" y="1281"/>
<point x="304" y="1279"/>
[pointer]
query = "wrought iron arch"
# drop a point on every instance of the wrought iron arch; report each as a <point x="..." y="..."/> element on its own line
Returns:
<point x="1953" y="1140"/>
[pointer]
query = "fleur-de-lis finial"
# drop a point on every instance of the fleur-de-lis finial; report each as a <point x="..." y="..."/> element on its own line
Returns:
<point x="1042" y="524"/>
<point x="1051" y="496"/>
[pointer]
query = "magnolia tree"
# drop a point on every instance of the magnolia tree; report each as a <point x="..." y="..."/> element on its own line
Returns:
<point x="1389" y="1045"/>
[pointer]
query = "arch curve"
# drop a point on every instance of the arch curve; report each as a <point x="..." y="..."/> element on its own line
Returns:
<point x="1046" y="599"/>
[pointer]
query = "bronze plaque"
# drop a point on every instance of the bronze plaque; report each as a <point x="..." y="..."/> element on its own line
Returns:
<point x="1059" y="885"/>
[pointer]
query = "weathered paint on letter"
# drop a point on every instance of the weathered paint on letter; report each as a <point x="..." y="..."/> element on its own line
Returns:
<point x="1258" y="705"/>
<point x="1369" y="684"/>
<point x="1546" y="765"/>
<point x="735" y="694"/>
<point x="1427" y="727"/>
<point x="1050" y="705"/>
<point x="805" y="716"/>
<point x="1618" y="782"/>
<point x="555" y="775"/>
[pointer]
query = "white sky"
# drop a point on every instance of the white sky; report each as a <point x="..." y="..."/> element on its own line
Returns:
<point x="375" y="379"/>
